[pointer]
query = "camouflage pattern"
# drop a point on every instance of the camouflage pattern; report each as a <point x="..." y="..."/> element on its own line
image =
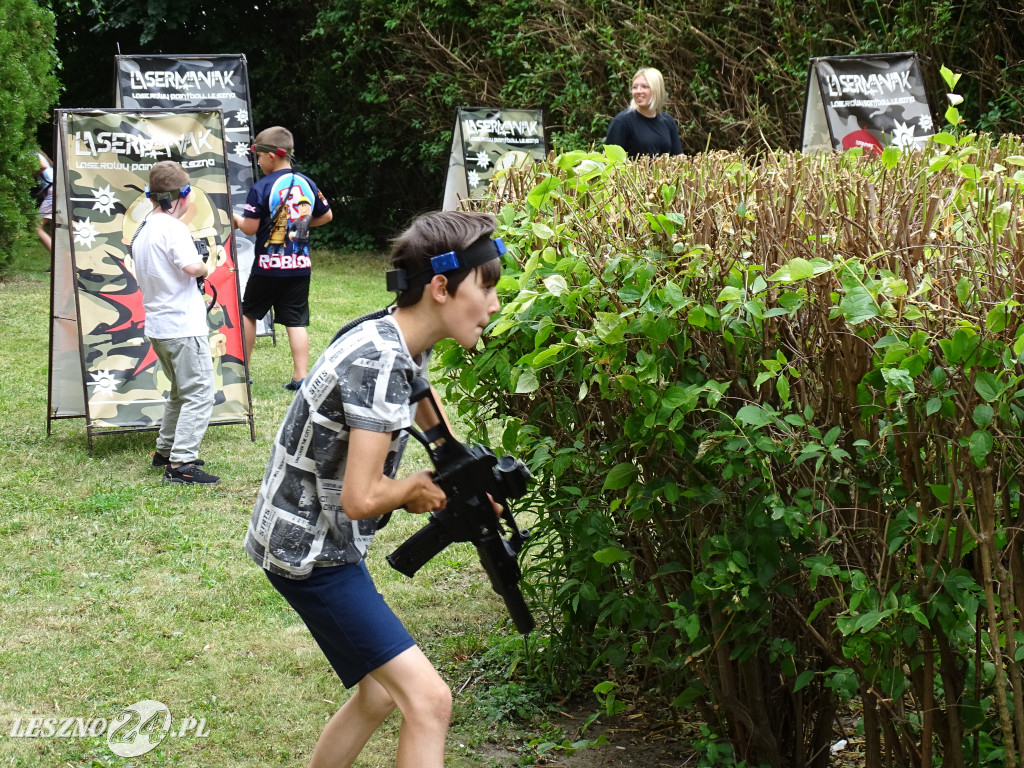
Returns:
<point x="486" y="141"/>
<point x="104" y="159"/>
<point x="202" y="84"/>
<point x="870" y="101"/>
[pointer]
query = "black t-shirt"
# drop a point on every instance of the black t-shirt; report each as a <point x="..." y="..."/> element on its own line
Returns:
<point x="640" y="135"/>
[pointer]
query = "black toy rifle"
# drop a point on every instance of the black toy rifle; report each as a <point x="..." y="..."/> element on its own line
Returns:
<point x="467" y="474"/>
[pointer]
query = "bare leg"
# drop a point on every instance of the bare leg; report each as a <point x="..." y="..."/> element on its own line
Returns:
<point x="351" y="727"/>
<point x="298" y="341"/>
<point x="248" y="336"/>
<point x="44" y="237"/>
<point x="426" y="705"/>
<point x="408" y="681"/>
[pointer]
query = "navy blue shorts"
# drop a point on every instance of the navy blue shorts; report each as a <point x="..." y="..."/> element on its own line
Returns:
<point x="287" y="296"/>
<point x="347" y="617"/>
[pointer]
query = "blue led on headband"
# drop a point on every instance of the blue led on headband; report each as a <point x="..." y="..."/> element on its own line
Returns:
<point x="483" y="250"/>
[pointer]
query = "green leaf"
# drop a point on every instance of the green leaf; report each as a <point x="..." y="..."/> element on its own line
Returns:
<point x="858" y="305"/>
<point x="898" y="379"/>
<point x="615" y="153"/>
<point x="542" y="230"/>
<point x="803" y="679"/>
<point x="610" y="328"/>
<point x="730" y="293"/>
<point x="698" y="317"/>
<point x="987" y="385"/>
<point x="540" y="193"/>
<point x="527" y="382"/>
<point x="610" y="555"/>
<point x="800" y="269"/>
<point x="621" y="475"/>
<point x="782" y="387"/>
<point x="982" y="416"/>
<point x="891" y="156"/>
<point x="980" y="446"/>
<point x="556" y="285"/>
<point x="963" y="290"/>
<point x="754" y="415"/>
<point x="941" y="492"/>
<point x="950" y="77"/>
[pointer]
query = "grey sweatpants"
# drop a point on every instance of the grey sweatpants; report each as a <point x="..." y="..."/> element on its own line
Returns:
<point x="187" y="362"/>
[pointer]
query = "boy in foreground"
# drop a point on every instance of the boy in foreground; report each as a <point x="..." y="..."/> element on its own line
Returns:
<point x="167" y="266"/>
<point x="279" y="279"/>
<point x="332" y="474"/>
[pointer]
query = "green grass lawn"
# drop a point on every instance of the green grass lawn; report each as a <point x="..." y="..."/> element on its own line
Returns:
<point x="116" y="589"/>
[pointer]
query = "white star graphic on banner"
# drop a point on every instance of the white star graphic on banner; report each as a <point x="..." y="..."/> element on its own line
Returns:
<point x="85" y="232"/>
<point x="903" y="136"/>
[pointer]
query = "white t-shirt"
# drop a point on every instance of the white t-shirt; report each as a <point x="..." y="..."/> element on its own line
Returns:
<point x="174" y="307"/>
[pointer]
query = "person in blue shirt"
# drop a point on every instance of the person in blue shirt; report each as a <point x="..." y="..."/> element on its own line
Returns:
<point x="643" y="129"/>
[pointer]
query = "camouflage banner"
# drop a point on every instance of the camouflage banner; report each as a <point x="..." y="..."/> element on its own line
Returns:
<point x="871" y="101"/>
<point x="102" y="164"/>
<point x="484" y="141"/>
<point x="202" y="83"/>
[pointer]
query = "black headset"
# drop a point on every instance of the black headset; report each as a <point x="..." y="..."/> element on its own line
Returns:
<point x="268" y="148"/>
<point x="165" y="198"/>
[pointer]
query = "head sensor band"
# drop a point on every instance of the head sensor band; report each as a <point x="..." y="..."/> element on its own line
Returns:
<point x="480" y="252"/>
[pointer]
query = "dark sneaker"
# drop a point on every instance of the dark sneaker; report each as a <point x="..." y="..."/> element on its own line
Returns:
<point x="293" y="386"/>
<point x="189" y="474"/>
<point x="160" y="461"/>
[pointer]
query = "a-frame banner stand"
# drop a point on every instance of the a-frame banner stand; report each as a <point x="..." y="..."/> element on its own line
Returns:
<point x="486" y="141"/>
<point x="869" y="101"/>
<point x="202" y="83"/>
<point x="102" y="368"/>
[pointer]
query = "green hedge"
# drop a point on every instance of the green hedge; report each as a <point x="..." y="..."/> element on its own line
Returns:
<point x="29" y="86"/>
<point x="774" y="405"/>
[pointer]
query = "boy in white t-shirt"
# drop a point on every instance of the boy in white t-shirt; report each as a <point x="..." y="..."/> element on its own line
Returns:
<point x="168" y="267"/>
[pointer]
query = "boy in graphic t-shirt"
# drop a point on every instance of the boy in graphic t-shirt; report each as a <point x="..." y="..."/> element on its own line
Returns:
<point x="279" y="279"/>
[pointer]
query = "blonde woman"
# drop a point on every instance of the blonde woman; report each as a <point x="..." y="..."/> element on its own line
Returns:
<point x="643" y="128"/>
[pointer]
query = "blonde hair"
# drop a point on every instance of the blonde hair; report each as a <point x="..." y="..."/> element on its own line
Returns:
<point x="657" y="84"/>
<point x="277" y="136"/>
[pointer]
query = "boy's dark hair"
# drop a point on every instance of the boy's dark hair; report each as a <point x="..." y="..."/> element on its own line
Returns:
<point x="277" y="136"/>
<point x="167" y="176"/>
<point x="435" y="233"/>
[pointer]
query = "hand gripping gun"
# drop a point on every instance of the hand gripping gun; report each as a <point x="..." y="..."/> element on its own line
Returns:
<point x="467" y="474"/>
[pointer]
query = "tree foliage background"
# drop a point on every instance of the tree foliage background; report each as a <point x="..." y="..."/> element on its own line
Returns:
<point x="370" y="87"/>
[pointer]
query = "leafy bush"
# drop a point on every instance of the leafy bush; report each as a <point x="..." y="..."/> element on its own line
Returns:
<point x="371" y="88"/>
<point x="27" y="80"/>
<point x="773" y="403"/>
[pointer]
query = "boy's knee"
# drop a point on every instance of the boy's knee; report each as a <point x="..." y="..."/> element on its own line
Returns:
<point x="375" y="701"/>
<point x="436" y="702"/>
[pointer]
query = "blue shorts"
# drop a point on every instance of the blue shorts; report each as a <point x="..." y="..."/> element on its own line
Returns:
<point x="347" y="617"/>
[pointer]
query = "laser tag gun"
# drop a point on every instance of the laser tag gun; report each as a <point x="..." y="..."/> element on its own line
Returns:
<point x="467" y="474"/>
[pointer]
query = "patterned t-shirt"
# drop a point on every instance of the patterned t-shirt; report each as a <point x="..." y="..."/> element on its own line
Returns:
<point x="363" y="380"/>
<point x="285" y="187"/>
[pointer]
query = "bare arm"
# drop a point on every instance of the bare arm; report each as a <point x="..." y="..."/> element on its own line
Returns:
<point x="318" y="221"/>
<point x="199" y="269"/>
<point x="247" y="225"/>
<point x="366" y="492"/>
